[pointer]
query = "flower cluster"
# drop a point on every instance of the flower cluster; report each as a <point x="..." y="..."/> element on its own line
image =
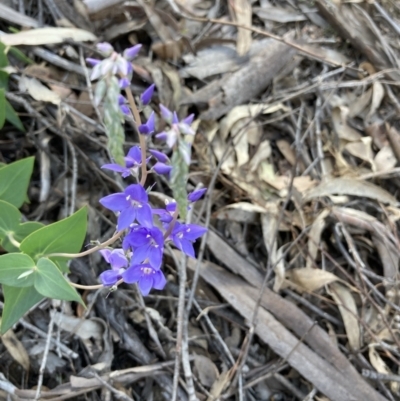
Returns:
<point x="146" y="230"/>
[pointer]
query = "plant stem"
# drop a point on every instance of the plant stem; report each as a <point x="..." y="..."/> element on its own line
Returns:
<point x="142" y="140"/>
<point x="89" y="251"/>
<point x="13" y="240"/>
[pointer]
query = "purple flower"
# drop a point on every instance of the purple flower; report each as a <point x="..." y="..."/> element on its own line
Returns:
<point x="146" y="96"/>
<point x="124" y="83"/>
<point x="184" y="125"/>
<point x="150" y="125"/>
<point x="118" y="261"/>
<point x="105" y="47"/>
<point x="123" y="66"/>
<point x="160" y="156"/>
<point x="132" y="205"/>
<point x="183" y="236"/>
<point x="146" y="277"/>
<point x="162" y="168"/>
<point x="133" y="160"/>
<point x="123" y="106"/>
<point x="166" y="114"/>
<point x="166" y="215"/>
<point x="147" y="244"/>
<point x="131" y="52"/>
<point x="196" y="195"/>
<point x="93" y="61"/>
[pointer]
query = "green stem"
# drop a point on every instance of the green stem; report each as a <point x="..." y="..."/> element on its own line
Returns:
<point x="89" y="251"/>
<point x="142" y="140"/>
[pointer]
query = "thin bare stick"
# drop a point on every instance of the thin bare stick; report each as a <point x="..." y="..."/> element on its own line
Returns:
<point x="44" y="359"/>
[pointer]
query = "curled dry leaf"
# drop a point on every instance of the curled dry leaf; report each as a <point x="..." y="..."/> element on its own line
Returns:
<point x="83" y="328"/>
<point x="362" y="149"/>
<point x="348" y="309"/>
<point x="315" y="237"/>
<point x="206" y="369"/>
<point x="385" y="160"/>
<point x="242" y="212"/>
<point x="44" y="36"/>
<point x="263" y="153"/>
<point x="16" y="349"/>
<point x="38" y="91"/>
<point x="342" y="129"/>
<point x="310" y="279"/>
<point x="350" y="186"/>
<point x="379" y="364"/>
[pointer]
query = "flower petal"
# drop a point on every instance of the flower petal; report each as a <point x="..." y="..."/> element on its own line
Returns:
<point x="126" y="218"/>
<point x="118" y="259"/>
<point x="109" y="277"/>
<point x="159" y="280"/>
<point x="145" y="284"/>
<point x="187" y="248"/>
<point x="132" y="52"/>
<point x="106" y="254"/>
<point x="132" y="274"/>
<point x="160" y="156"/>
<point x="162" y="168"/>
<point x="140" y="254"/>
<point x="135" y="154"/>
<point x="196" y="195"/>
<point x="137" y="193"/>
<point x="193" y="231"/>
<point x="144" y="215"/>
<point x="115" y="202"/>
<point x="146" y="96"/>
<point x="155" y="257"/>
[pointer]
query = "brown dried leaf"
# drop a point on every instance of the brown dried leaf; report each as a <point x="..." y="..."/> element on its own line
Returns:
<point x="342" y="129"/>
<point x="385" y="160"/>
<point x="16" y="349"/>
<point x="363" y="150"/>
<point x="38" y="91"/>
<point x="348" y="309"/>
<point x="315" y="237"/>
<point x="206" y="370"/>
<point x="219" y="385"/>
<point x="44" y="36"/>
<point x="310" y="279"/>
<point x="242" y="12"/>
<point x="242" y="212"/>
<point x="350" y="186"/>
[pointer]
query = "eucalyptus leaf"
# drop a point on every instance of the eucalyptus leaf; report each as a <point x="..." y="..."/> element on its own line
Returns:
<point x="2" y="107"/>
<point x="17" y="301"/>
<point x="17" y="270"/>
<point x="12" y="117"/>
<point x="65" y="236"/>
<point x="51" y="283"/>
<point x="14" y="181"/>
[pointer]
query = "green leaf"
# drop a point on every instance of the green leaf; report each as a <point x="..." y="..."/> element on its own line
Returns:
<point x="17" y="270"/>
<point x="51" y="283"/>
<point x="65" y="236"/>
<point x="17" y="301"/>
<point x="14" y="181"/>
<point x="20" y="233"/>
<point x="3" y="63"/>
<point x="2" y="107"/>
<point x="12" y="117"/>
<point x="9" y="219"/>
<point x="179" y="177"/>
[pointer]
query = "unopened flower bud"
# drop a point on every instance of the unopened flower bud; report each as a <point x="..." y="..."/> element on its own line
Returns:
<point x="146" y="96"/>
<point x="132" y="52"/>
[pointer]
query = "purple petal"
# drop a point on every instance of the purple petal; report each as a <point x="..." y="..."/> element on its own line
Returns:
<point x="146" y="96"/>
<point x="162" y="135"/>
<point x="160" y="156"/>
<point x="187" y="248"/>
<point x="115" y="202"/>
<point x="125" y="110"/>
<point x="135" y="154"/>
<point x="138" y="237"/>
<point x="196" y="195"/>
<point x="144" y="215"/>
<point x="157" y="236"/>
<point x="170" y="207"/>
<point x="132" y="274"/>
<point x="132" y="52"/>
<point x="150" y="125"/>
<point x="124" y="83"/>
<point x="115" y="167"/>
<point x="193" y="231"/>
<point x="126" y="218"/>
<point x="175" y="119"/>
<point x="137" y="193"/>
<point x="140" y="254"/>
<point x="106" y="254"/>
<point x="145" y="284"/>
<point x="155" y="257"/>
<point x="118" y="259"/>
<point x="159" y="280"/>
<point x="161" y="168"/>
<point x="93" y="61"/>
<point x="166" y="114"/>
<point x="121" y="99"/>
<point x="188" y="120"/>
<point x="109" y="277"/>
<point x="105" y="47"/>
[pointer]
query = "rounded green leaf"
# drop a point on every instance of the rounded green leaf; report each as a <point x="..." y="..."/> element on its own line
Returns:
<point x="20" y="233"/>
<point x="17" y="270"/>
<point x="9" y="218"/>
<point x="17" y="301"/>
<point x="51" y="283"/>
<point x="14" y="181"/>
<point x="65" y="236"/>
